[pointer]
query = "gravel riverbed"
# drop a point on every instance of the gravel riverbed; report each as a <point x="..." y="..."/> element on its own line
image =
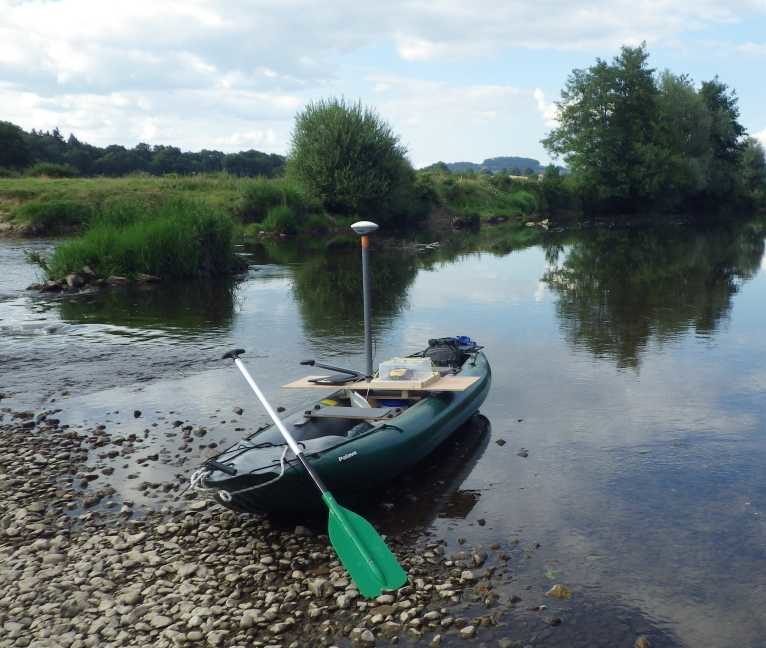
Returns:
<point x="79" y="566"/>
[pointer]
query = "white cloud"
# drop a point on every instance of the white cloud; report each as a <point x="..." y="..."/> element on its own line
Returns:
<point x="202" y="71"/>
<point x="755" y="49"/>
<point x="416" y="49"/>
<point x="450" y="121"/>
<point x="148" y="131"/>
<point x="260" y="139"/>
<point x="761" y="136"/>
<point x="443" y="121"/>
<point x="548" y="110"/>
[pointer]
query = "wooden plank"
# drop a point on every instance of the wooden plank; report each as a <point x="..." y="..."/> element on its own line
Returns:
<point x="303" y="383"/>
<point x="445" y="383"/>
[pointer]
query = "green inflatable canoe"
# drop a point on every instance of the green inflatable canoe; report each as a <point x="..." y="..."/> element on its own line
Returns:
<point x="355" y="439"/>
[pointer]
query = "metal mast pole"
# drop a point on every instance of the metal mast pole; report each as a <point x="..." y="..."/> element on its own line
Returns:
<point x="363" y="229"/>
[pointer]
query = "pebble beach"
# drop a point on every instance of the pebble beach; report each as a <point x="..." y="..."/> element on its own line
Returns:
<point x="80" y="568"/>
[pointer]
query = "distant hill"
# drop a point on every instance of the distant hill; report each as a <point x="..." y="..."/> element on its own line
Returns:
<point x="498" y="164"/>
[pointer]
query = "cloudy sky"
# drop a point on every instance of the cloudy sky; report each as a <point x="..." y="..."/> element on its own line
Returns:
<point x="458" y="80"/>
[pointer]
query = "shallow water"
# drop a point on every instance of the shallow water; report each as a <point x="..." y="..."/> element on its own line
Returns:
<point x="629" y="365"/>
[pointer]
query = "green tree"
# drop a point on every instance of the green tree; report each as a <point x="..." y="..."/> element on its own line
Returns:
<point x="253" y="163"/>
<point x="607" y="133"/>
<point x="14" y="152"/>
<point x="725" y="139"/>
<point x="753" y="171"/>
<point x="684" y="130"/>
<point x="117" y="161"/>
<point x="349" y="159"/>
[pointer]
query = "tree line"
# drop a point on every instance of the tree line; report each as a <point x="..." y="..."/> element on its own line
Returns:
<point x="638" y="140"/>
<point x="21" y="150"/>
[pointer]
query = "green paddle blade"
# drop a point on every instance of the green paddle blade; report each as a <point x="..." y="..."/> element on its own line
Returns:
<point x="362" y="551"/>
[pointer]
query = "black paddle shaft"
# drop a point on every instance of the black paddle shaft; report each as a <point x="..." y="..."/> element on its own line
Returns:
<point x="321" y="365"/>
<point x="312" y="473"/>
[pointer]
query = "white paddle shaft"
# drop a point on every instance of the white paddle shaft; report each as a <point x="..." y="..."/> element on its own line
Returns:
<point x="274" y="416"/>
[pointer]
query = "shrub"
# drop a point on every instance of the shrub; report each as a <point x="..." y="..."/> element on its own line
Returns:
<point x="282" y="219"/>
<point x="501" y="182"/>
<point x="285" y="220"/>
<point x="349" y="159"/>
<point x="524" y="201"/>
<point x="52" y="216"/>
<point x="178" y="238"/>
<point x="5" y="172"/>
<point x="264" y="194"/>
<point x="557" y="190"/>
<point x="51" y="170"/>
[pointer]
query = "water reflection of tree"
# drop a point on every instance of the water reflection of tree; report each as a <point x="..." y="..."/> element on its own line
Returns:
<point x="328" y="288"/>
<point x="185" y="307"/>
<point x="618" y="290"/>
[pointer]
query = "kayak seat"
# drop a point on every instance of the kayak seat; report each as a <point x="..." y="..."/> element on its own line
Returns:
<point x="361" y="413"/>
<point x="318" y="428"/>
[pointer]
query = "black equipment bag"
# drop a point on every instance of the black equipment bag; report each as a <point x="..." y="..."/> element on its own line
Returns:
<point x="449" y="352"/>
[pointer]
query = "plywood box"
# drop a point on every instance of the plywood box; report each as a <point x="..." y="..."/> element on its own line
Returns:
<point x="404" y="385"/>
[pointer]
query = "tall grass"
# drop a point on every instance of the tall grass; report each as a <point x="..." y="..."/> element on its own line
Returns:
<point x="52" y="216"/>
<point x="263" y="195"/>
<point x="481" y="195"/>
<point x="220" y="191"/>
<point x="176" y="238"/>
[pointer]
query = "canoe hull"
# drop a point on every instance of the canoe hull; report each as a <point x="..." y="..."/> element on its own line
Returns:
<point x="368" y="460"/>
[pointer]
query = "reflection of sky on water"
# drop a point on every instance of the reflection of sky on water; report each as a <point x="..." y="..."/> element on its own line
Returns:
<point x="644" y="484"/>
<point x="647" y="483"/>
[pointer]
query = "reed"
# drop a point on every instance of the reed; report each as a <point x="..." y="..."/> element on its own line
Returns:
<point x="173" y="239"/>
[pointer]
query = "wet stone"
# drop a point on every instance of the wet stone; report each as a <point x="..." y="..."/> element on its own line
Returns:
<point x="559" y="591"/>
<point x="468" y="632"/>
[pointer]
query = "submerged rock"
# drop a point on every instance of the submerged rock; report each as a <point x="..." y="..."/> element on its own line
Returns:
<point x="51" y="286"/>
<point x="74" y="281"/>
<point x="559" y="591"/>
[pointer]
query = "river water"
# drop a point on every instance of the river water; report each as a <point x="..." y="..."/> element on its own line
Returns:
<point x="630" y="365"/>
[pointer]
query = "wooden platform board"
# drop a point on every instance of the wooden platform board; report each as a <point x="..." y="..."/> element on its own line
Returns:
<point x="445" y="383"/>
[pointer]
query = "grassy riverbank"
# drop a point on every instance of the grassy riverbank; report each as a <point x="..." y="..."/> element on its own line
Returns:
<point x="48" y="206"/>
